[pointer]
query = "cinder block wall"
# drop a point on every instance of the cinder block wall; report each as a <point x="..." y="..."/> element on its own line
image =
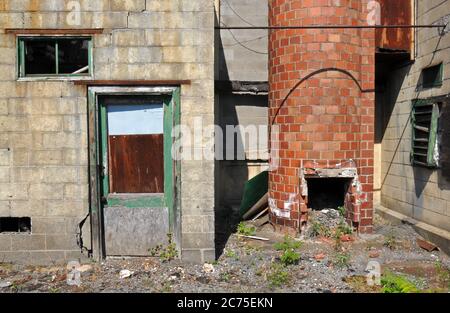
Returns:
<point x="417" y="192"/>
<point x="243" y="56"/>
<point x="43" y="129"/>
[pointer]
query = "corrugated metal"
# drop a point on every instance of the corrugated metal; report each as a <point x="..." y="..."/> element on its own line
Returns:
<point x="136" y="163"/>
<point x="395" y="12"/>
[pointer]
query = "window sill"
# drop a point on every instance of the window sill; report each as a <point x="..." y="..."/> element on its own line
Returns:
<point x="47" y="78"/>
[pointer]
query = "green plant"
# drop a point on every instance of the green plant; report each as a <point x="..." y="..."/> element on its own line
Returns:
<point x="443" y="274"/>
<point x="319" y="229"/>
<point x="167" y="253"/>
<point x="344" y="228"/>
<point x="341" y="259"/>
<point x="288" y="246"/>
<point x="231" y="254"/>
<point x="166" y="288"/>
<point x="289" y="257"/>
<point x="397" y="284"/>
<point x="278" y="276"/>
<point x="342" y="210"/>
<point x="246" y="230"/>
<point x="390" y="241"/>
<point x="225" y="276"/>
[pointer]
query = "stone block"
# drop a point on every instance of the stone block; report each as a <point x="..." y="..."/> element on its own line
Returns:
<point x="5" y="242"/>
<point x="28" y="208"/>
<point x="48" y="257"/>
<point x="198" y="240"/>
<point x="46" y="191"/>
<point x="61" y="242"/>
<point x="11" y="191"/>
<point x="25" y="242"/>
<point x="192" y="256"/>
<point x="46" y="157"/>
<point x="4" y="174"/>
<point x="45" y="123"/>
<point x="127" y="5"/>
<point x="44" y="225"/>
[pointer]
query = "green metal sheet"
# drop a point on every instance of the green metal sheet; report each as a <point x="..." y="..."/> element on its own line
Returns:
<point x="254" y="189"/>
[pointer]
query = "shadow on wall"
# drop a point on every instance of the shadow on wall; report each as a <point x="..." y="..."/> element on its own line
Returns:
<point x="226" y="216"/>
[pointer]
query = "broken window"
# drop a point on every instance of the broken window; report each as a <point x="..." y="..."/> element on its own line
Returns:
<point x="15" y="224"/>
<point x="55" y="56"/>
<point x="425" y="121"/>
<point x="432" y="76"/>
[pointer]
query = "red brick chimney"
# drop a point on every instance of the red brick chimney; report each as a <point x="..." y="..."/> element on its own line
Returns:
<point x="321" y="99"/>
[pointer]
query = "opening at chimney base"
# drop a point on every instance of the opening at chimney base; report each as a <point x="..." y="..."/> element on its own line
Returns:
<point x="327" y="193"/>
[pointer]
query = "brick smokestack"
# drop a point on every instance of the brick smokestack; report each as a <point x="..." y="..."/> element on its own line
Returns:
<point x="321" y="100"/>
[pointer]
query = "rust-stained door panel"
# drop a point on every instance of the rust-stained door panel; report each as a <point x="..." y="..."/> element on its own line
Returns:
<point x="395" y="12"/>
<point x="136" y="163"/>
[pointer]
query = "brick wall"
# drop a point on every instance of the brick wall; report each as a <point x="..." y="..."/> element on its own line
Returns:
<point x="327" y="119"/>
<point x="43" y="129"/>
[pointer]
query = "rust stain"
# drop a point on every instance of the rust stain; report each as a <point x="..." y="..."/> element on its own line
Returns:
<point x="33" y="6"/>
<point x="136" y="163"/>
<point x="398" y="12"/>
<point x="4" y="5"/>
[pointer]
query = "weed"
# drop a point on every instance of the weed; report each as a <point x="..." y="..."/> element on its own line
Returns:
<point x="225" y="276"/>
<point x="397" y="284"/>
<point x="443" y="274"/>
<point x="319" y="229"/>
<point x="278" y="276"/>
<point x="245" y="230"/>
<point x="231" y="254"/>
<point x="344" y="228"/>
<point x="166" y="288"/>
<point x="390" y="241"/>
<point x="288" y="246"/>
<point x="167" y="253"/>
<point x="342" y="210"/>
<point x="341" y="260"/>
<point x="289" y="257"/>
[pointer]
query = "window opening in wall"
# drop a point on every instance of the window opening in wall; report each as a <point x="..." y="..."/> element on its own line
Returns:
<point x="15" y="224"/>
<point x="432" y="76"/>
<point x="425" y="121"/>
<point x="55" y="56"/>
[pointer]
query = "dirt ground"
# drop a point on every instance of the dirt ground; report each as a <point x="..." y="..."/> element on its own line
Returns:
<point x="326" y="265"/>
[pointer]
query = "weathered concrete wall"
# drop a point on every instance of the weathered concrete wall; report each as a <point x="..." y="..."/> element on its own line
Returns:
<point x="243" y="56"/>
<point x="417" y="192"/>
<point x="43" y="132"/>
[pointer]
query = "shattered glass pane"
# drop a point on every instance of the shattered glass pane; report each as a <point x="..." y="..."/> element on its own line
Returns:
<point x="73" y="56"/>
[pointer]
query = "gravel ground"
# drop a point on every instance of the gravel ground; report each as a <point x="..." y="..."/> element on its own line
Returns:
<point x="246" y="265"/>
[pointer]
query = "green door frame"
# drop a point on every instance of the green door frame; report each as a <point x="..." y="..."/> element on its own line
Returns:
<point x="98" y="173"/>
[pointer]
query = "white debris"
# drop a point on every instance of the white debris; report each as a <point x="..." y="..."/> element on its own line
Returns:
<point x="84" y="268"/>
<point x="125" y="274"/>
<point x="5" y="284"/>
<point x="208" y="268"/>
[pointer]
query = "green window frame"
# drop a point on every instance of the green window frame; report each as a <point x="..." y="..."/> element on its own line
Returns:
<point x="21" y="50"/>
<point x="425" y="123"/>
<point x="432" y="76"/>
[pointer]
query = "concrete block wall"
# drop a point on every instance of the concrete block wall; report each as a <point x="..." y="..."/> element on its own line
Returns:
<point x="243" y="56"/>
<point x="414" y="191"/>
<point x="43" y="129"/>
